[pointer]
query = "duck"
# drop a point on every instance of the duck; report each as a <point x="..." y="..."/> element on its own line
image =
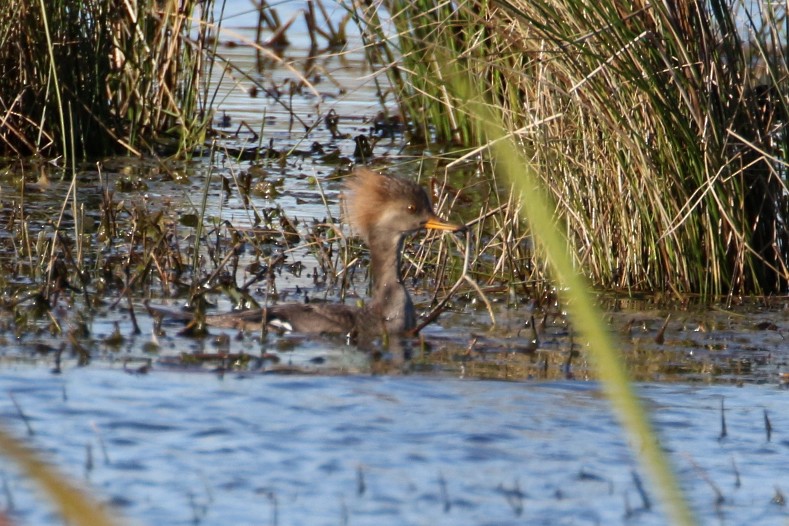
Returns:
<point x="382" y="209"/>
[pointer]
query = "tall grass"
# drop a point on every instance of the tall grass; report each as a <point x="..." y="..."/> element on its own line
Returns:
<point x="658" y="128"/>
<point x="97" y="76"/>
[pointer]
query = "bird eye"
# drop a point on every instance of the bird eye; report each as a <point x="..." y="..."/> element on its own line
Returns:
<point x="412" y="208"/>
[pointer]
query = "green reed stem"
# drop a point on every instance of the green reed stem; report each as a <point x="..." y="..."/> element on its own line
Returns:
<point x="200" y="227"/>
<point x="75" y="505"/>
<point x="511" y="161"/>
<point x="54" y="76"/>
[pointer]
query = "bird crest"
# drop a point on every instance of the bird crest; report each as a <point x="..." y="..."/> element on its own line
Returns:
<point x="368" y="193"/>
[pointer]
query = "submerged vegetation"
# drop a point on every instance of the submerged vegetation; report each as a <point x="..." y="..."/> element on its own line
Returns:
<point x="659" y="128"/>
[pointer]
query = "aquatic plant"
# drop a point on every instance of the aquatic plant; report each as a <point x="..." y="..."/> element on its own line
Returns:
<point x="658" y="128"/>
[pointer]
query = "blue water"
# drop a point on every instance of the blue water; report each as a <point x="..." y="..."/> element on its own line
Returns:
<point x="200" y="448"/>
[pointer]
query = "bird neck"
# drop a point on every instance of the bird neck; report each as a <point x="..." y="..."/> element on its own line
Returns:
<point x="390" y="297"/>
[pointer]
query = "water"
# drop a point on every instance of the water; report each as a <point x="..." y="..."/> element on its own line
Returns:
<point x="178" y="448"/>
<point x="312" y="431"/>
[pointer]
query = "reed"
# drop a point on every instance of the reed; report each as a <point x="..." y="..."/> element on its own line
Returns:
<point x="657" y="128"/>
<point x="513" y="163"/>
<point x="95" y="77"/>
<point x="75" y="505"/>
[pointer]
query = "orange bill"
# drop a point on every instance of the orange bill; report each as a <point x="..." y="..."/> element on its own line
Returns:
<point x="436" y="223"/>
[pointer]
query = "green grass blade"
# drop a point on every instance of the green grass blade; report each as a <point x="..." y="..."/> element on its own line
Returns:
<point x="74" y="505"/>
<point x="511" y="162"/>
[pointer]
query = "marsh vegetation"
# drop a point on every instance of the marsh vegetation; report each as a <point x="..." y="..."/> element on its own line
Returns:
<point x="152" y="157"/>
<point x="658" y="129"/>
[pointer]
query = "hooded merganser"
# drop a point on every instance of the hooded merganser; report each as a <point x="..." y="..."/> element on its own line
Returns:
<point x="382" y="209"/>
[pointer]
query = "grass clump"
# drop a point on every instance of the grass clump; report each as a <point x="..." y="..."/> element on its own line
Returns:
<point x="95" y="77"/>
<point x="659" y="129"/>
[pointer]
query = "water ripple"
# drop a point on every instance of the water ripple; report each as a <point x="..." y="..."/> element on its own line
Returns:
<point x="392" y="450"/>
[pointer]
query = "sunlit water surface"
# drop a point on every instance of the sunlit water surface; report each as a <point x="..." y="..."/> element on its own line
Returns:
<point x="188" y="448"/>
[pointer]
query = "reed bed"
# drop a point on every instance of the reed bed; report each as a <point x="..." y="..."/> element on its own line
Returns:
<point x="658" y="128"/>
<point x="95" y="77"/>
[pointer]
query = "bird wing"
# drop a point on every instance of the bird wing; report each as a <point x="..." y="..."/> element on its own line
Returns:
<point x="314" y="318"/>
<point x="306" y="318"/>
